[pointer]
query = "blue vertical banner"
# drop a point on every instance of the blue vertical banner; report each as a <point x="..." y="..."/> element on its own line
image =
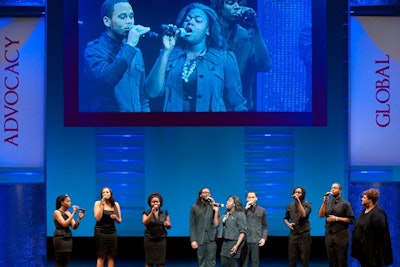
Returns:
<point x="374" y="90"/>
<point x="22" y="91"/>
<point x="22" y="113"/>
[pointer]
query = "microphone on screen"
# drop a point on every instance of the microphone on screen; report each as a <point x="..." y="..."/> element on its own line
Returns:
<point x="327" y="194"/>
<point x="171" y="30"/>
<point x="150" y="34"/>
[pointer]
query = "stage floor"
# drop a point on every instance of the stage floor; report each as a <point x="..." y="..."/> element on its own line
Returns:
<point x="182" y="263"/>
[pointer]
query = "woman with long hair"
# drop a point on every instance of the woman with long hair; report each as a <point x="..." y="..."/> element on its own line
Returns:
<point x="106" y="212"/>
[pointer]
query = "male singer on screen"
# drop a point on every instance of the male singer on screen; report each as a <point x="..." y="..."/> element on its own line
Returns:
<point x="241" y="31"/>
<point x="257" y="230"/>
<point x="114" y="66"/>
<point x="296" y="218"/>
<point x="204" y="215"/>
<point x="338" y="215"/>
<point x="194" y="72"/>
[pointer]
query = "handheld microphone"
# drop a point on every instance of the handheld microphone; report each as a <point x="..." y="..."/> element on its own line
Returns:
<point x="147" y="34"/>
<point x="327" y="194"/>
<point x="212" y="202"/>
<point x="171" y="30"/>
<point x="82" y="210"/>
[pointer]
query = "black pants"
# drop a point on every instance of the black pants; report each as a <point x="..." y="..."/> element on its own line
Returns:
<point x="337" y="245"/>
<point x="299" y="247"/>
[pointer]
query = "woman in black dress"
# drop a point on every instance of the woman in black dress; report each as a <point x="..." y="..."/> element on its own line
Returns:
<point x="371" y="244"/>
<point x="63" y="219"/>
<point x="106" y="212"/>
<point x="157" y="222"/>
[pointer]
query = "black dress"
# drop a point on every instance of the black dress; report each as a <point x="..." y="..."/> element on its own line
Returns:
<point x="105" y="235"/>
<point x="62" y="238"/>
<point x="62" y="242"/>
<point x="155" y="239"/>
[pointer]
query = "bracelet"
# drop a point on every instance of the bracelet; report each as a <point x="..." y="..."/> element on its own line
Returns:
<point x="336" y="218"/>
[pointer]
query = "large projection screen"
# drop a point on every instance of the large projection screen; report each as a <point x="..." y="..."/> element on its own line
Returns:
<point x="291" y="93"/>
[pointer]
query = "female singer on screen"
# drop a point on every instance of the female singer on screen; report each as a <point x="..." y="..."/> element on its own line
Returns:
<point x="63" y="220"/>
<point x="106" y="213"/>
<point x="194" y="71"/>
<point x="156" y="221"/>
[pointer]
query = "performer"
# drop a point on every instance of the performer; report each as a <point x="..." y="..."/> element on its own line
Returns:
<point x="296" y="218"/>
<point x="157" y="221"/>
<point x="257" y="230"/>
<point x="338" y="215"/>
<point x="114" y="65"/>
<point x="194" y="72"/>
<point x="241" y="31"/>
<point x="371" y="244"/>
<point x="106" y="212"/>
<point x="63" y="220"/>
<point x="232" y="230"/>
<point x="204" y="215"/>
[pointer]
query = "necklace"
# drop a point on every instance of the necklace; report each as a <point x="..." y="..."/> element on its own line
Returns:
<point x="190" y="65"/>
<point x="187" y="71"/>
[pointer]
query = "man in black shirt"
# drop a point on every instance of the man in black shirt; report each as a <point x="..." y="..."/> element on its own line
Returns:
<point x="204" y="215"/>
<point x="339" y="215"/>
<point x="296" y="218"/>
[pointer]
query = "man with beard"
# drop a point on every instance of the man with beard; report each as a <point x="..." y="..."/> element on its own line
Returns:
<point x="204" y="215"/>
<point x="114" y="65"/>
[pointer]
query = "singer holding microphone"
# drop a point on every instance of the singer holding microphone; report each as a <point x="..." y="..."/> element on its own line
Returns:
<point x="257" y="230"/>
<point x="106" y="212"/>
<point x="204" y="215"/>
<point x="156" y="221"/>
<point x="114" y="67"/>
<point x="297" y="220"/>
<point x="63" y="220"/>
<point x="338" y="215"/>
<point x="194" y="72"/>
<point x="232" y="231"/>
<point x="241" y="31"/>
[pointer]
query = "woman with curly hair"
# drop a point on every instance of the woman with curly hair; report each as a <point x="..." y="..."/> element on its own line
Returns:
<point x="371" y="244"/>
<point x="156" y="221"/>
<point x="232" y="230"/>
<point x="195" y="72"/>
